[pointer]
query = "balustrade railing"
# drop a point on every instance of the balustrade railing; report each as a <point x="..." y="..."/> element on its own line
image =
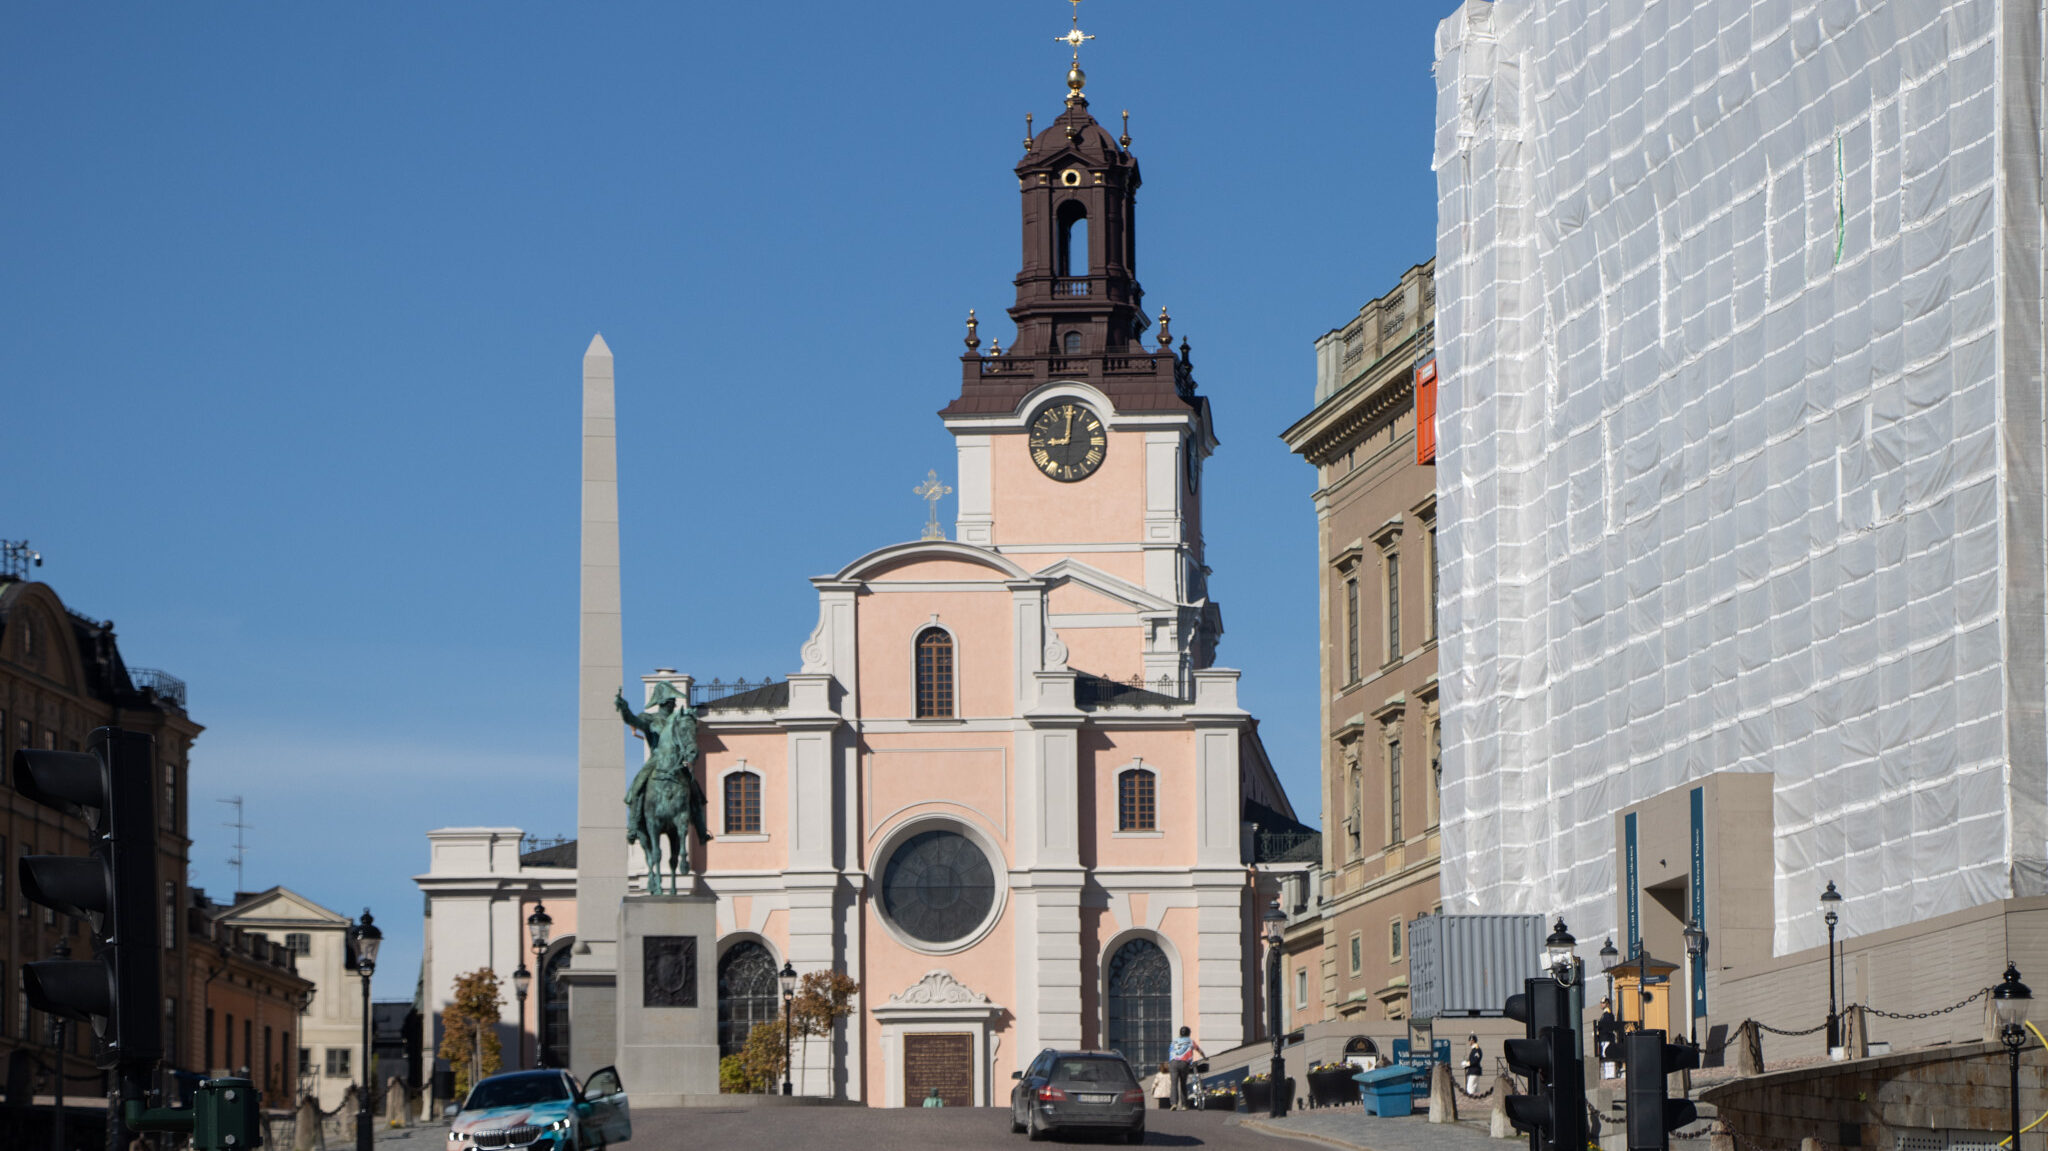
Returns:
<point x="1092" y="691"/>
<point x="719" y="689"/>
<point x="1069" y="289"/>
<point x="163" y="683"/>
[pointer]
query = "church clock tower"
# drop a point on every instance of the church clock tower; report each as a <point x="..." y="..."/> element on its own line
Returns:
<point x="1079" y="441"/>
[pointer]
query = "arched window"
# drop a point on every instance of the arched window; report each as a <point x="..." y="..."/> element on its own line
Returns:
<point x="554" y="1007"/>
<point x="743" y="803"/>
<point x="934" y="674"/>
<point x="1140" y="1003"/>
<point x="1073" y="343"/>
<point x="1137" y="807"/>
<point x="1073" y="239"/>
<point x="747" y="993"/>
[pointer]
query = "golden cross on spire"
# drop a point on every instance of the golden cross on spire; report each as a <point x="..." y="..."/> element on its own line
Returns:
<point x="1075" y="37"/>
<point x="931" y="490"/>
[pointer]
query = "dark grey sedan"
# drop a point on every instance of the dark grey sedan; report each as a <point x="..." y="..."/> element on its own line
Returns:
<point x="1078" y="1091"/>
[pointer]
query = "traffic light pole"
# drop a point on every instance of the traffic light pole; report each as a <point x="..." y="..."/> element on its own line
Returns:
<point x="119" y="991"/>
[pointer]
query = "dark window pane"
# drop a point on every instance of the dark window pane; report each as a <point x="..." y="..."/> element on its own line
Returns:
<point x="938" y="887"/>
<point x="748" y="993"/>
<point x="1141" y="1003"/>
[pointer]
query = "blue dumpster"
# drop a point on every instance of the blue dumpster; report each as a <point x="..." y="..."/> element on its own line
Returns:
<point x="1389" y="1091"/>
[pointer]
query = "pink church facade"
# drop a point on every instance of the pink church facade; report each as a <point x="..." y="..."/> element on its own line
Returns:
<point x="1009" y="790"/>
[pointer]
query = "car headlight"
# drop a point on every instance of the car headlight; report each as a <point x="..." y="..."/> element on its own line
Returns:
<point x="561" y="1124"/>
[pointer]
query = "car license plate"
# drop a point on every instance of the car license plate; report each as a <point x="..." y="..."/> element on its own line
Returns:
<point x="1098" y="1098"/>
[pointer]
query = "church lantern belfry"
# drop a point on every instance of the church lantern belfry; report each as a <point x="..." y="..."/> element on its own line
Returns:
<point x="1079" y="308"/>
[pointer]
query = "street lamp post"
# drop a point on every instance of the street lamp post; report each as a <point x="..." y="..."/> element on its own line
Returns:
<point x="537" y="926"/>
<point x="788" y="979"/>
<point x="1562" y="950"/>
<point x="63" y="951"/>
<point x="1276" y="934"/>
<point x="521" y="980"/>
<point x="1695" y="955"/>
<point x="2010" y="999"/>
<point x="1829" y="901"/>
<point x="364" y="939"/>
<point x="1609" y="960"/>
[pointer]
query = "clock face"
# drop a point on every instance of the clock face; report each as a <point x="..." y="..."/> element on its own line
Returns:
<point x="1068" y="442"/>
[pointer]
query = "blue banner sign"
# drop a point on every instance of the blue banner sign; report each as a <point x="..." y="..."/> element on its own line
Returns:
<point x="1635" y="923"/>
<point x="1699" y="895"/>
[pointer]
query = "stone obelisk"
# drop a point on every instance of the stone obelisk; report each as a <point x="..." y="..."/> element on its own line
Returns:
<point x="600" y="737"/>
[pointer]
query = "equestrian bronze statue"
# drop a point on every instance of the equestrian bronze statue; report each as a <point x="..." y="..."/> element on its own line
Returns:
<point x="665" y="801"/>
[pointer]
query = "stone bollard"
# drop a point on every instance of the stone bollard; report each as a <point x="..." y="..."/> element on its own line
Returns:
<point x="306" y="1129"/>
<point x="1500" y="1127"/>
<point x="395" y="1110"/>
<point x="1749" y="1049"/>
<point x="1809" y="1144"/>
<point x="1443" y="1097"/>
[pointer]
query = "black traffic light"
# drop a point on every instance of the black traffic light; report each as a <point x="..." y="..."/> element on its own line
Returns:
<point x="118" y="991"/>
<point x="1553" y="1114"/>
<point x="1652" y="1117"/>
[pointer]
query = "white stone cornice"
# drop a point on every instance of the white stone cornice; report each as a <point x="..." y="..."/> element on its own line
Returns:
<point x="938" y="988"/>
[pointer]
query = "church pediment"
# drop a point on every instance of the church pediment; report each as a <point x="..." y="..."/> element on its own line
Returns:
<point x="938" y="991"/>
<point x="1118" y="594"/>
<point x="282" y="903"/>
<point x="888" y="560"/>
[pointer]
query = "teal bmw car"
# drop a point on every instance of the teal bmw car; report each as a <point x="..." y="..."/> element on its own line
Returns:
<point x="542" y="1111"/>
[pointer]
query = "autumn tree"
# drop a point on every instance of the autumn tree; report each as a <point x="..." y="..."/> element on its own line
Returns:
<point x="823" y="998"/>
<point x="758" y="1066"/>
<point x="469" y="1032"/>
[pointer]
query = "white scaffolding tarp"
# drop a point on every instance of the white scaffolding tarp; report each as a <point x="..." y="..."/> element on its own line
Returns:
<point x="1741" y="442"/>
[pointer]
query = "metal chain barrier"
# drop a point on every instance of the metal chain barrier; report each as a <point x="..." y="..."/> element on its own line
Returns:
<point x="1981" y="993"/>
<point x="1486" y="1094"/>
<point x="1818" y="1027"/>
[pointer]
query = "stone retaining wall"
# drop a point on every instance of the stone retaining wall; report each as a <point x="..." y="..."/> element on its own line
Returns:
<point x="1869" y="1103"/>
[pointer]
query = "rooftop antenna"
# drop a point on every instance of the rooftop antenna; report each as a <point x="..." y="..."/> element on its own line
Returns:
<point x="241" y="848"/>
<point x="16" y="557"/>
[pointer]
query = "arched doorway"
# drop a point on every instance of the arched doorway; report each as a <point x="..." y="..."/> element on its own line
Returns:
<point x="748" y="991"/>
<point x="1140" y="1000"/>
<point x="554" y="1007"/>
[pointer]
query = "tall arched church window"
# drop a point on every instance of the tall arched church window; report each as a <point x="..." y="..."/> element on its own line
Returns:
<point x="934" y="674"/>
<point x="742" y="803"/>
<point x="1140" y="998"/>
<point x="1137" y="807"/>
<point x="747" y="993"/>
<point x="554" y="1007"/>
<point x="1073" y="238"/>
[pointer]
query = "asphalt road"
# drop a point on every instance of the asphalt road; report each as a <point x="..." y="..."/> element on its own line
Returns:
<point x="894" y="1129"/>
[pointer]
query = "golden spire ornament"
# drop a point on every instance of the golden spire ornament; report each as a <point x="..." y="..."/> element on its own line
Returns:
<point x="1076" y="79"/>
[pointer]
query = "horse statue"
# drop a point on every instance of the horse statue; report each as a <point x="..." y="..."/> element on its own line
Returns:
<point x="664" y="801"/>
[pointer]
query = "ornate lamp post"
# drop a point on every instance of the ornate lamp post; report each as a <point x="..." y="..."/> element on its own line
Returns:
<point x="1563" y="953"/>
<point x="1276" y="934"/>
<point x="521" y="980"/>
<point x="1695" y="955"/>
<point x="1829" y="901"/>
<point x="364" y="938"/>
<point x="2010" y="999"/>
<point x="1609" y="960"/>
<point x="788" y="980"/>
<point x="537" y="926"/>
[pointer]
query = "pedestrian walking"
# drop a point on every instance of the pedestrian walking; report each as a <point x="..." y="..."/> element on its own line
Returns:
<point x="1181" y="1057"/>
<point x="1475" y="1065"/>
<point x="1162" y="1087"/>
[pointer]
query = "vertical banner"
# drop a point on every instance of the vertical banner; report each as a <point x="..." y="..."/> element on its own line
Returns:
<point x="1635" y="922"/>
<point x="1425" y="412"/>
<point x="1699" y="895"/>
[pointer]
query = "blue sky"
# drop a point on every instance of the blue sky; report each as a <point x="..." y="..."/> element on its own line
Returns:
<point x="294" y="299"/>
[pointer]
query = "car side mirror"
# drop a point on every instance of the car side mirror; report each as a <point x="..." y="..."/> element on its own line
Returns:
<point x="1016" y="1075"/>
<point x="585" y="1109"/>
<point x="451" y="1111"/>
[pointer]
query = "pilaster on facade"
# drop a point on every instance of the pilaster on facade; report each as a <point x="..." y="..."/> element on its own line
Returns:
<point x="1221" y="998"/>
<point x="975" y="521"/>
<point x="1049" y="942"/>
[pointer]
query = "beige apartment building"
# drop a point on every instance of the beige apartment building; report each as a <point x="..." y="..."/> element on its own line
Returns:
<point x="1375" y="501"/>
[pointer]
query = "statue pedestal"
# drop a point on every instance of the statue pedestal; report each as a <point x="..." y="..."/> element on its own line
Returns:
<point x="668" y="996"/>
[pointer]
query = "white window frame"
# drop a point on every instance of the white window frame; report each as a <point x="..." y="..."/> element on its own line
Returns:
<point x="1117" y="799"/>
<point x="958" y="702"/>
<point x="726" y="835"/>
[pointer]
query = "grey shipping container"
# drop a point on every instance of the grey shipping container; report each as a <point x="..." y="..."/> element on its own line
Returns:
<point x="1465" y="965"/>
